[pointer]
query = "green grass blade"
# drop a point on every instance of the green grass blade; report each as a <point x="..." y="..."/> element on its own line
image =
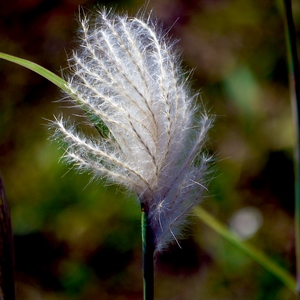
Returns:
<point x="37" y="69"/>
<point x="58" y="81"/>
<point x="281" y="274"/>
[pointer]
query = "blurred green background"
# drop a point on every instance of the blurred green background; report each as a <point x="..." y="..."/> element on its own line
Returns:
<point x="76" y="240"/>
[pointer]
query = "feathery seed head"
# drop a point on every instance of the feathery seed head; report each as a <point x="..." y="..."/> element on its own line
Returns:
<point x="127" y="79"/>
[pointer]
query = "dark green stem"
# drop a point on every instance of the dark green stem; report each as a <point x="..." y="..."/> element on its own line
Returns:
<point x="148" y="250"/>
<point x="295" y="98"/>
<point x="7" y="282"/>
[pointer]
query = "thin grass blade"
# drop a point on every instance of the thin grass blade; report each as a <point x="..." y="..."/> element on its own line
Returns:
<point x="258" y="256"/>
<point x="37" y="69"/>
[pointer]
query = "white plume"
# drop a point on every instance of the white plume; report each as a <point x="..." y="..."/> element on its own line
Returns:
<point x="126" y="77"/>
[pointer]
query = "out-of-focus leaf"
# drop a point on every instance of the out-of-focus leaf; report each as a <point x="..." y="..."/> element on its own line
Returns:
<point x="242" y="89"/>
<point x="254" y="253"/>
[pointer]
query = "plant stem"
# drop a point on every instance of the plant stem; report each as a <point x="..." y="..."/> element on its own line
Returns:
<point x="148" y="250"/>
<point x="295" y="99"/>
<point x="7" y="281"/>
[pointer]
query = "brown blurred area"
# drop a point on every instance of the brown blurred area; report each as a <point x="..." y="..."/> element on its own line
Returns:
<point x="80" y="240"/>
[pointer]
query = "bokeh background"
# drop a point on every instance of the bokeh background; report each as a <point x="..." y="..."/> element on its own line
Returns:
<point x="77" y="240"/>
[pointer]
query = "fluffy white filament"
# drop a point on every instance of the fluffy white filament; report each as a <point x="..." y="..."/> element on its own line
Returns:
<point x="127" y="74"/>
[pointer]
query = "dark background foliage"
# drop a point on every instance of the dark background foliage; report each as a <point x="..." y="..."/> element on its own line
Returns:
<point x="80" y="240"/>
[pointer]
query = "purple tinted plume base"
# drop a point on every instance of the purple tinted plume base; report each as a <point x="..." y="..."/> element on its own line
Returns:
<point x="127" y="79"/>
